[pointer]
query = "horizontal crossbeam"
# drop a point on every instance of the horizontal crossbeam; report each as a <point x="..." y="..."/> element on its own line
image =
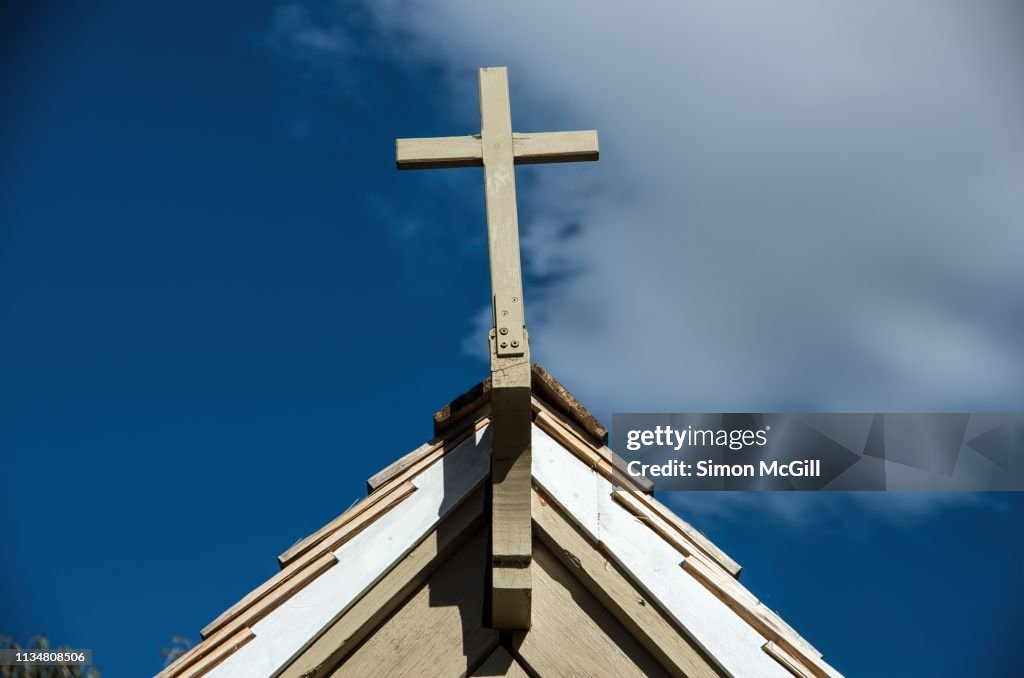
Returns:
<point x="528" y="148"/>
<point x="540" y="147"/>
<point x="434" y="152"/>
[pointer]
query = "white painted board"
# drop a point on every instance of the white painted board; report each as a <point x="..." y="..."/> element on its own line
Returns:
<point x="652" y="562"/>
<point x="362" y="561"/>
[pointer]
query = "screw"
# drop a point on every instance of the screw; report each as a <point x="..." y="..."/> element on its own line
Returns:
<point x="515" y="344"/>
<point x="504" y="313"/>
<point x="515" y="299"/>
<point x="503" y="344"/>
<point x="504" y="330"/>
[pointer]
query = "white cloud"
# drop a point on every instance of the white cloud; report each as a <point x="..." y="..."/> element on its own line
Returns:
<point x="801" y="205"/>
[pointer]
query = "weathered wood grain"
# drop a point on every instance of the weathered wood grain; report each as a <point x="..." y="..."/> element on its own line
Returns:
<point x="342" y="636"/>
<point x="690" y="533"/>
<point x="438" y="631"/>
<point x="638" y="614"/>
<point x="397" y="466"/>
<point x="510" y="375"/>
<point x="559" y="398"/>
<point x="528" y="148"/>
<point x="203" y="657"/>
<point x="426" y="454"/>
<point x="499" y="183"/>
<point x="544" y="147"/>
<point x="251" y="613"/>
<point x="498" y="150"/>
<point x="437" y="152"/>
<point x="586" y="453"/>
<point x="500" y="665"/>
<point x="795" y="666"/>
<point x="510" y="477"/>
<point x="720" y="582"/>
<point x="362" y="562"/>
<point x="297" y="567"/>
<point x="547" y="391"/>
<point x="349" y="522"/>
<point x="511" y="534"/>
<point x="649" y="561"/>
<point x="573" y="634"/>
<point x="759" y="616"/>
<point x="666" y="530"/>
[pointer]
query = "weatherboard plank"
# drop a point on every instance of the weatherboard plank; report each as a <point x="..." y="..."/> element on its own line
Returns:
<point x="606" y="581"/>
<point x="362" y="561"/>
<point x="573" y="634"/>
<point x="651" y="562"/>
<point x="360" y="620"/>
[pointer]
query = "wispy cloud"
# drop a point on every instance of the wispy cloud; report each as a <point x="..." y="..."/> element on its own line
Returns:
<point x="295" y="30"/>
<point x="801" y="206"/>
<point x="336" y="45"/>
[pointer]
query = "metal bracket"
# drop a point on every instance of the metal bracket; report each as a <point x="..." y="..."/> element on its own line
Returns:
<point x="510" y="340"/>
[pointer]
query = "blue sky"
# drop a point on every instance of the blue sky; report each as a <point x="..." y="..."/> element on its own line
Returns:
<point x="222" y="308"/>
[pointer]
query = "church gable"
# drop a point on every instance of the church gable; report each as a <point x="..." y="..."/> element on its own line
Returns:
<point x="396" y="585"/>
<point x="440" y="625"/>
<point x="513" y="543"/>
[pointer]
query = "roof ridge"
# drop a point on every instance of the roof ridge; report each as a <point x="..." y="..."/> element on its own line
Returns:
<point x="544" y="386"/>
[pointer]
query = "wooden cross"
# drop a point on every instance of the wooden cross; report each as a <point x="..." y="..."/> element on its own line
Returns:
<point x="498" y="149"/>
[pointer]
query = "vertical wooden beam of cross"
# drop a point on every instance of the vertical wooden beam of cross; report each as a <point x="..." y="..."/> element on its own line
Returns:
<point x="498" y="149"/>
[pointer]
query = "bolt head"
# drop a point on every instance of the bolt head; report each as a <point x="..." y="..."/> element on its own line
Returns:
<point x="504" y="344"/>
<point x="504" y="330"/>
<point x="515" y="344"/>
